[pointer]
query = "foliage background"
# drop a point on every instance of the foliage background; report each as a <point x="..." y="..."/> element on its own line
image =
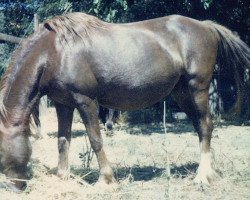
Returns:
<point x="16" y="18"/>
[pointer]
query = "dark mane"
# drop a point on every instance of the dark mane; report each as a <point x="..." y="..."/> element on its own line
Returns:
<point x="8" y="77"/>
<point x="68" y="28"/>
<point x="14" y="66"/>
<point x="71" y="26"/>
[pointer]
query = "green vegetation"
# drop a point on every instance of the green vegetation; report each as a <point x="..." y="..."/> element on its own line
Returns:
<point x="16" y="17"/>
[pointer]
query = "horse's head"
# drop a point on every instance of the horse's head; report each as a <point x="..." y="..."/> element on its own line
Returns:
<point x="15" y="151"/>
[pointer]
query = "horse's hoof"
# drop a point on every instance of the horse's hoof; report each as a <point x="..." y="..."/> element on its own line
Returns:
<point x="10" y="187"/>
<point x="206" y="178"/>
<point x="63" y="174"/>
<point x="106" y="179"/>
<point x="105" y="184"/>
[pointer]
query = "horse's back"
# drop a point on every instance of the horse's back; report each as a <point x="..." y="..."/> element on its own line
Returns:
<point x="133" y="65"/>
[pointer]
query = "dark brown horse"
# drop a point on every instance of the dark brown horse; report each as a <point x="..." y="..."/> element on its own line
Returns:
<point x="78" y="60"/>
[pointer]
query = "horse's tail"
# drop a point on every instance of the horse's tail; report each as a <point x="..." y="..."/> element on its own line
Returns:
<point x="232" y="52"/>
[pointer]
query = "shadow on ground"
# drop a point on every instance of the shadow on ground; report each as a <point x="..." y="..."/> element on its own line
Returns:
<point x="137" y="173"/>
<point x="234" y="123"/>
<point x="133" y="173"/>
<point x="74" y="134"/>
<point x="182" y="171"/>
<point x="179" y="127"/>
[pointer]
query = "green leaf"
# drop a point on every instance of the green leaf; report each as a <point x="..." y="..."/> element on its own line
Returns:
<point x="206" y="3"/>
<point x="95" y="11"/>
<point x="95" y="2"/>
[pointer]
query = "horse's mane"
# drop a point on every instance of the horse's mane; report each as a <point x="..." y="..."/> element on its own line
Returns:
<point x="7" y="78"/>
<point x="68" y="28"/>
<point x="14" y="66"/>
<point x="72" y="26"/>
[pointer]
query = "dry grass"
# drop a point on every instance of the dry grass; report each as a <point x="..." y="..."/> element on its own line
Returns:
<point x="148" y="164"/>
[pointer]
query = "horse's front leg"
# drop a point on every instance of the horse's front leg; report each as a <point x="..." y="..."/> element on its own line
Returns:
<point x="88" y="111"/>
<point x="65" y="116"/>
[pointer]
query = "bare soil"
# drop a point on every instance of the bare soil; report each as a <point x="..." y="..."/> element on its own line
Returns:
<point x="148" y="164"/>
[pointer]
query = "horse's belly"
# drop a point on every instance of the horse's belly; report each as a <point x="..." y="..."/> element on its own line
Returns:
<point x="133" y="81"/>
<point x="128" y="97"/>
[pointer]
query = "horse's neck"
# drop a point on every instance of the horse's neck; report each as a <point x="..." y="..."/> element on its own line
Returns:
<point x="22" y="93"/>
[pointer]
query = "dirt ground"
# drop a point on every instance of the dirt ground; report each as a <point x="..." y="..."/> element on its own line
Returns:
<point x="148" y="164"/>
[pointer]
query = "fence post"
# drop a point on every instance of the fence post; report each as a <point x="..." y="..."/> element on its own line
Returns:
<point x="36" y="22"/>
<point x="9" y="38"/>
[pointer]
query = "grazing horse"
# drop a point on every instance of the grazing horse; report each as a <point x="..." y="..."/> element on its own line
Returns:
<point x="79" y="60"/>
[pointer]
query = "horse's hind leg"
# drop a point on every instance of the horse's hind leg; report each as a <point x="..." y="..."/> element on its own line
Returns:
<point x="88" y="111"/>
<point x="194" y="102"/>
<point x="65" y="116"/>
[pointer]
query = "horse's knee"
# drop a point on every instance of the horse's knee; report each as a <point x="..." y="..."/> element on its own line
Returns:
<point x="96" y="143"/>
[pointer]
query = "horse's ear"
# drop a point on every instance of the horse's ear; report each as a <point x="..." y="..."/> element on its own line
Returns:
<point x="47" y="26"/>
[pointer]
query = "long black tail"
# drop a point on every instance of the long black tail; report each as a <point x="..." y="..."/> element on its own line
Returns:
<point x="232" y="52"/>
<point x="231" y="47"/>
